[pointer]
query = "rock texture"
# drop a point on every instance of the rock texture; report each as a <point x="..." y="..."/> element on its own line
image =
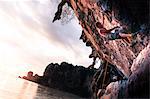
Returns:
<point x="120" y="13"/>
<point x="137" y="85"/>
<point x="138" y="82"/>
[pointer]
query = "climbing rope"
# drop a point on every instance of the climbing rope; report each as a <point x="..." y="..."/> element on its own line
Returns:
<point x="105" y="75"/>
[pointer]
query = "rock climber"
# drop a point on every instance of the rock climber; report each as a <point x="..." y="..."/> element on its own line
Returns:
<point x="118" y="34"/>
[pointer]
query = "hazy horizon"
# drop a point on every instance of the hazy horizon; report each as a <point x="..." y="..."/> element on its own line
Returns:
<point x="30" y="41"/>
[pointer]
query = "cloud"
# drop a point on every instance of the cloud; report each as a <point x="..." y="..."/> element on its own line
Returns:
<point x="28" y="37"/>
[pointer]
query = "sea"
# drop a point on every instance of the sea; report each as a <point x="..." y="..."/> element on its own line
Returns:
<point x="12" y="87"/>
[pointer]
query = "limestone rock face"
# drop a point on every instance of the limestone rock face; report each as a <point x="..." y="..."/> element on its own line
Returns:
<point x="132" y="16"/>
<point x="137" y="85"/>
<point x="111" y="13"/>
<point x="138" y="82"/>
<point x="142" y="59"/>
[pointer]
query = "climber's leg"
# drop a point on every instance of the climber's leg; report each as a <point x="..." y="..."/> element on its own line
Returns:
<point x="123" y="35"/>
<point x="117" y="35"/>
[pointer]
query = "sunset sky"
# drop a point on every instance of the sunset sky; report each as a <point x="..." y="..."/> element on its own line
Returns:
<point x="30" y="41"/>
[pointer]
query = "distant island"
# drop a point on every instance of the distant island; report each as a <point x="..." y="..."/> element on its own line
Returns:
<point x="65" y="77"/>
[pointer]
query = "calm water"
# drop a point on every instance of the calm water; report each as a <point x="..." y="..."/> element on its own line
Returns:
<point x="12" y="87"/>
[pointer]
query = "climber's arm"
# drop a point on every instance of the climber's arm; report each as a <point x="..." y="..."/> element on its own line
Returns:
<point x="123" y="35"/>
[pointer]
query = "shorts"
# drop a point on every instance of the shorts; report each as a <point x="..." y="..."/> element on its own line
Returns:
<point x="113" y="36"/>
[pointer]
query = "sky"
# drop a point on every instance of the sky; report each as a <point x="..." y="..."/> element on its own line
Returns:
<point x="30" y="41"/>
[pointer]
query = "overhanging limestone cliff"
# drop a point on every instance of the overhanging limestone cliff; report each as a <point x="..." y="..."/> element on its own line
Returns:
<point x="111" y="13"/>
